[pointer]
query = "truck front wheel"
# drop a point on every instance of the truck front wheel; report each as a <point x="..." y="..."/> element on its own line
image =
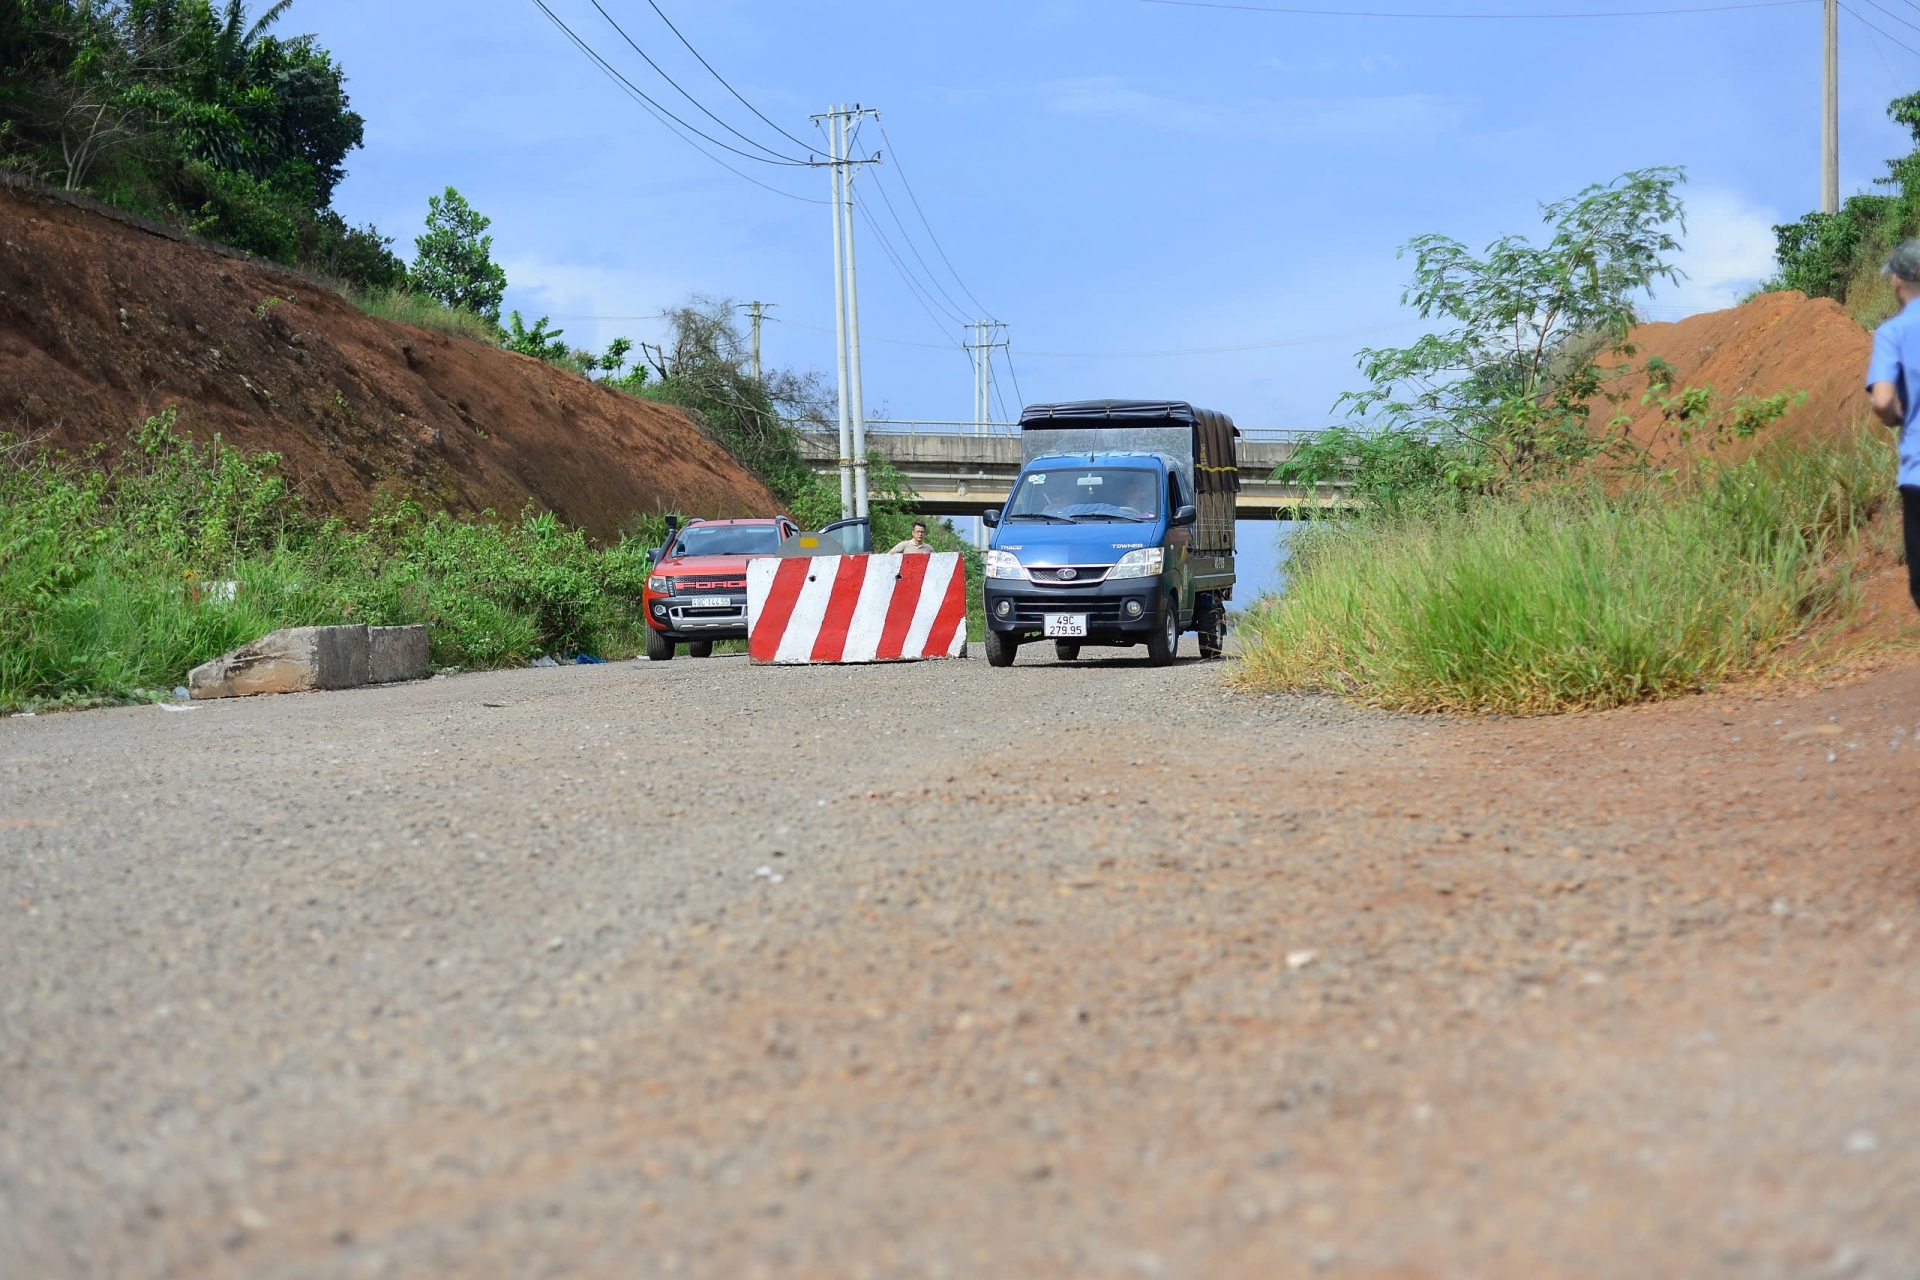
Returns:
<point x="1001" y="648"/>
<point x="1164" y="642"/>
<point x="659" y="648"/>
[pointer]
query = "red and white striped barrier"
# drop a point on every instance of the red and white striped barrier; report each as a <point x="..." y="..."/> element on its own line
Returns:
<point x="856" y="608"/>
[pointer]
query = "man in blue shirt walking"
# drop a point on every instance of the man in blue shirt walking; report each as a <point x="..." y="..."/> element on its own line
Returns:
<point x="1893" y="386"/>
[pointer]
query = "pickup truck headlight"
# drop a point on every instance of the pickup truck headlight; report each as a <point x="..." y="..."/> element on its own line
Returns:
<point x="1004" y="564"/>
<point x="662" y="586"/>
<point x="1148" y="562"/>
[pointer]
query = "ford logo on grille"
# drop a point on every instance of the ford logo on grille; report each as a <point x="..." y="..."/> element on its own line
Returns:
<point x="1067" y="575"/>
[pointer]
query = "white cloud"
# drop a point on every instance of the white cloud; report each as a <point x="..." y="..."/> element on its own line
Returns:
<point x="1726" y="252"/>
<point x="1294" y="119"/>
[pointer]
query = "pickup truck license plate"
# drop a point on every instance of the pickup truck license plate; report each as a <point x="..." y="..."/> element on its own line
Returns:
<point x="1065" y="624"/>
<point x="709" y="602"/>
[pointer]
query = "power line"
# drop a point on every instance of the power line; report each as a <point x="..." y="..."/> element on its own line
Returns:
<point x="1891" y="39"/>
<point x="1891" y="14"/>
<point x="923" y="218"/>
<point x="892" y="342"/>
<point x="1093" y="355"/>
<point x="722" y="79"/>
<point x="900" y="266"/>
<point x="658" y="111"/>
<point x="1355" y="13"/>
<point x="1214" y="351"/>
<point x="954" y="309"/>
<point x="1006" y="353"/>
<point x="700" y="106"/>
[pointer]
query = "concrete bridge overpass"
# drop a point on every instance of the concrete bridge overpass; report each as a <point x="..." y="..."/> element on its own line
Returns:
<point x="957" y="472"/>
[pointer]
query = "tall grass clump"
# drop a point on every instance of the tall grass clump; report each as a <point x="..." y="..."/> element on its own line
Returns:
<point x="1575" y="596"/>
<point x="120" y="573"/>
<point x="405" y="306"/>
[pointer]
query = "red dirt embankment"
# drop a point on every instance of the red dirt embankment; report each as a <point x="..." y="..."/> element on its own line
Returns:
<point x="1777" y="342"/>
<point x="104" y="322"/>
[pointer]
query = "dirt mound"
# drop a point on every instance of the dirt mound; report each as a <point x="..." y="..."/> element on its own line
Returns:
<point x="105" y="320"/>
<point x="1777" y="342"/>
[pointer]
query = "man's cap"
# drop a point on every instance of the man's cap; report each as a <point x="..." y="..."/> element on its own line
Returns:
<point x="1905" y="262"/>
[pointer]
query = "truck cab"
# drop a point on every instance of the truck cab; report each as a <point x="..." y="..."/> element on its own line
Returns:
<point x="1119" y="531"/>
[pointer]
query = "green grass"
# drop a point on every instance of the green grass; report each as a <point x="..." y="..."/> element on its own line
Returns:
<point x="1574" y="598"/>
<point x="105" y="572"/>
<point x="404" y="306"/>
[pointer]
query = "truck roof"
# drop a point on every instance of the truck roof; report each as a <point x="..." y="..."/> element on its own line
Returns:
<point x="1070" y="412"/>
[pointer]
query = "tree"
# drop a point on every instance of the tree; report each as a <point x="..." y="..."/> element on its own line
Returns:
<point x="1503" y="395"/>
<point x="455" y="261"/>
<point x="192" y="112"/>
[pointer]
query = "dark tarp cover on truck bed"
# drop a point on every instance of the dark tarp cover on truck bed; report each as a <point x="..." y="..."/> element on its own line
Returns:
<point x="1215" y="460"/>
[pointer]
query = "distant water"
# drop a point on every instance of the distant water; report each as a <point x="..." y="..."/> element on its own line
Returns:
<point x="1261" y="560"/>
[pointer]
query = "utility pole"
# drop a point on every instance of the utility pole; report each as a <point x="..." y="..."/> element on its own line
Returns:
<point x="1830" y="115"/>
<point x="757" y="310"/>
<point x="981" y="349"/>
<point x="846" y="307"/>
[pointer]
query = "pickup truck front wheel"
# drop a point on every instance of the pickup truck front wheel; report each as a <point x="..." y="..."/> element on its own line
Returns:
<point x="1001" y="648"/>
<point x="659" y="648"/>
<point x="1164" y="642"/>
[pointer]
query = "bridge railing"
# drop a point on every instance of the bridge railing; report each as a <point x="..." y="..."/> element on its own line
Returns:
<point x="943" y="427"/>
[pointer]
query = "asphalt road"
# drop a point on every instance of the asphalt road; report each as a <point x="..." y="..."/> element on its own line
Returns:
<point x="701" y="969"/>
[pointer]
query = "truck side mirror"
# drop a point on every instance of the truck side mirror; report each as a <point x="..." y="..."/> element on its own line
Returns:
<point x="991" y="519"/>
<point x="1187" y="514"/>
<point x="654" y="554"/>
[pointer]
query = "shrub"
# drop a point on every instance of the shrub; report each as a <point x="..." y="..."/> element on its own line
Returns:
<point x="1572" y="597"/>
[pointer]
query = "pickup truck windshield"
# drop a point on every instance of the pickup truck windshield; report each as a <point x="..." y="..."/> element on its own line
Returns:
<point x="1087" y="493"/>
<point x="727" y="540"/>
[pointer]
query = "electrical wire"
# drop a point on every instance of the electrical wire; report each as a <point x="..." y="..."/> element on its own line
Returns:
<point x="897" y="168"/>
<point x="1890" y="38"/>
<point x="1111" y="355"/>
<point x="892" y="342"/>
<point x="1880" y="53"/>
<point x="953" y="308"/>
<point x="900" y="266"/>
<point x="698" y="105"/>
<point x="1006" y="353"/>
<point x="997" y="397"/>
<point x="1891" y="14"/>
<point x="1911" y="25"/>
<point x="1214" y="351"/>
<point x="1353" y="13"/>
<point x="645" y="100"/>
<point x="722" y="79"/>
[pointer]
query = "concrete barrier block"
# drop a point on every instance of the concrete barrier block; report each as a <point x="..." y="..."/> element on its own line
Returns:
<point x="294" y="660"/>
<point x="398" y="653"/>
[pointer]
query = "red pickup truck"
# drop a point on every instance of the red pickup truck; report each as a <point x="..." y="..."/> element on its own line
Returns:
<point x="697" y="590"/>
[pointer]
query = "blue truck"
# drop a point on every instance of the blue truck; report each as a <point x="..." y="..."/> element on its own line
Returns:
<point x="1119" y="530"/>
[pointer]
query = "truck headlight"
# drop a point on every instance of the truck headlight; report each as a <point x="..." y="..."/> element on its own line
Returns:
<point x="1004" y="564"/>
<point x="663" y="586"/>
<point x="1144" y="563"/>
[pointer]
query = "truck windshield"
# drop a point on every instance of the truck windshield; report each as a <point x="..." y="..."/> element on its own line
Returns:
<point x="1087" y="493"/>
<point x="727" y="540"/>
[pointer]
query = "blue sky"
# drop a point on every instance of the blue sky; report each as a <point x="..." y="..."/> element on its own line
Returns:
<point x="1107" y="176"/>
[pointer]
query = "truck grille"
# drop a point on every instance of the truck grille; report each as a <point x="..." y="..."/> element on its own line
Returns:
<point x="706" y="586"/>
<point x="1075" y="575"/>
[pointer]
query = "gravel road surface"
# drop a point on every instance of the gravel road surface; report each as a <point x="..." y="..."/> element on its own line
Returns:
<point x="699" y="969"/>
